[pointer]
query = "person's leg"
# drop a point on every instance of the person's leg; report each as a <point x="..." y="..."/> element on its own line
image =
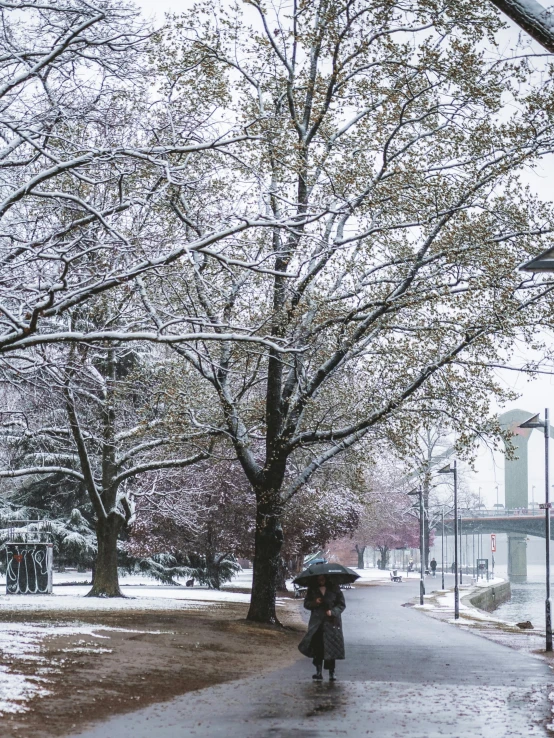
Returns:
<point x="317" y="649"/>
<point x="330" y="665"/>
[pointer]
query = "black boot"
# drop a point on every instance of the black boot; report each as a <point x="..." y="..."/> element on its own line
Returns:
<point x="318" y="673"/>
<point x="332" y="677"/>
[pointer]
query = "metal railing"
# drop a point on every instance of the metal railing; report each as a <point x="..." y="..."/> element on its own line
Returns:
<point x="502" y="512"/>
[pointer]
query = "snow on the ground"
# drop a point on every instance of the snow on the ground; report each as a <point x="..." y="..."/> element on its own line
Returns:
<point x="20" y="644"/>
<point x="22" y="641"/>
<point x="484" y="583"/>
<point x="443" y="600"/>
<point x="136" y="598"/>
<point x="241" y="580"/>
<point x="378" y="575"/>
<point x="17" y="689"/>
<point x="141" y="593"/>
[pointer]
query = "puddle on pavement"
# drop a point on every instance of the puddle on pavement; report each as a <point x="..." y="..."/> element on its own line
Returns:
<point x="324" y="697"/>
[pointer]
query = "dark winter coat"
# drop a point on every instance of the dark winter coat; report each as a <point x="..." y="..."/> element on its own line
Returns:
<point x="333" y="641"/>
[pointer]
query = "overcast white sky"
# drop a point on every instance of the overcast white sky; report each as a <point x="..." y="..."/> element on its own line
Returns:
<point x="536" y="394"/>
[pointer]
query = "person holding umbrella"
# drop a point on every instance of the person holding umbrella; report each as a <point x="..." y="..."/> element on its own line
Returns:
<point x="324" y="642"/>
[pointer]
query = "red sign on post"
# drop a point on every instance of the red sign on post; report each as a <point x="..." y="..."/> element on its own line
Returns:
<point x="493" y="542"/>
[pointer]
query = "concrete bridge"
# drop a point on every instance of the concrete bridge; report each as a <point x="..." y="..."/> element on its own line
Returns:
<point x="523" y="523"/>
<point x="516" y="520"/>
<point x="517" y="524"/>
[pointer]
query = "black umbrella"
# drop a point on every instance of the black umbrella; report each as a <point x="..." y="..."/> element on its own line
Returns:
<point x="336" y="573"/>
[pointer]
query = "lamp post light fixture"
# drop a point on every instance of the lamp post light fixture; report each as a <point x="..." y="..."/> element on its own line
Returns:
<point x="536" y="422"/>
<point x="452" y="469"/>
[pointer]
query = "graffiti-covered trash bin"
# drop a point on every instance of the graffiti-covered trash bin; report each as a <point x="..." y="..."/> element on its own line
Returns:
<point x="29" y="568"/>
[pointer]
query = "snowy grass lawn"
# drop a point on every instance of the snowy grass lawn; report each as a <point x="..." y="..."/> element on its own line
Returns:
<point x="20" y="646"/>
<point x="242" y="580"/>
<point x="20" y="643"/>
<point x="144" y="596"/>
<point x="139" y="598"/>
<point x="66" y="659"/>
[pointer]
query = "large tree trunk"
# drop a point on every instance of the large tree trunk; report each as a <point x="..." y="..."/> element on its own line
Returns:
<point x="360" y="550"/>
<point x="106" y="581"/>
<point x="384" y="550"/>
<point x="282" y="575"/>
<point x="267" y="557"/>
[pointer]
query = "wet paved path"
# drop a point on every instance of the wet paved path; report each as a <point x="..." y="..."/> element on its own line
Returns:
<point x="406" y="676"/>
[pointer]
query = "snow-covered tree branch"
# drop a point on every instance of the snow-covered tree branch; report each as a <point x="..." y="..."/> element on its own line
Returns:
<point x="406" y="159"/>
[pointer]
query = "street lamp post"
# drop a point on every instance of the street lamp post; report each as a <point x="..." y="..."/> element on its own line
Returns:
<point x="536" y="422"/>
<point x="442" y="547"/>
<point x="419" y="492"/>
<point x="480" y="535"/>
<point x="473" y="555"/>
<point x="544" y="263"/>
<point x="453" y="470"/>
<point x="421" y="548"/>
<point x="461" y="551"/>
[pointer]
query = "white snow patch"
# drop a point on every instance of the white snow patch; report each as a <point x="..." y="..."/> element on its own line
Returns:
<point x="444" y="600"/>
<point x="376" y="575"/>
<point x="84" y="650"/>
<point x="21" y="643"/>
<point x="137" y="598"/>
<point x="242" y="580"/>
<point x="16" y="690"/>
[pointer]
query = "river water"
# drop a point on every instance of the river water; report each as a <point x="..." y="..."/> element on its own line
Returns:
<point x="527" y="601"/>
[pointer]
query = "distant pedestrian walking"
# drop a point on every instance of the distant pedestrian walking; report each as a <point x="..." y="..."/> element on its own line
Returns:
<point x="411" y="565"/>
<point x="433" y="566"/>
<point x="453" y="567"/>
<point x="324" y="642"/>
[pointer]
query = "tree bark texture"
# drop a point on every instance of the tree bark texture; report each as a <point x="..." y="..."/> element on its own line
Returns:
<point x="266" y="565"/>
<point x="106" y="581"/>
<point x="384" y="551"/>
<point x="360" y="550"/>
